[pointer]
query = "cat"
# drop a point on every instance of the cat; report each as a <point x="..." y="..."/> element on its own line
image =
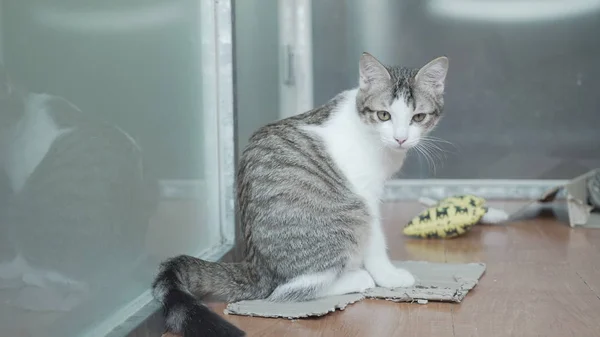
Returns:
<point x="593" y="190"/>
<point x="75" y="199"/>
<point x="308" y="192"/>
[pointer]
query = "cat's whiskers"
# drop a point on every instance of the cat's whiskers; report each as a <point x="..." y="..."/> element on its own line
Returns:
<point x="435" y="150"/>
<point x="431" y="151"/>
<point x="437" y="140"/>
<point x="428" y="156"/>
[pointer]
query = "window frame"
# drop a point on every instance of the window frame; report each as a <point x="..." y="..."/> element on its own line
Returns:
<point x="216" y="47"/>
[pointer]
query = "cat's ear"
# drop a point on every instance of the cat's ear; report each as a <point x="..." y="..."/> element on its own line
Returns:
<point x="432" y="76"/>
<point x="372" y="72"/>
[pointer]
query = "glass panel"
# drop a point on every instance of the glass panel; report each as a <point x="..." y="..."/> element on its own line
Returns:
<point x="256" y="65"/>
<point x="522" y="87"/>
<point x="103" y="146"/>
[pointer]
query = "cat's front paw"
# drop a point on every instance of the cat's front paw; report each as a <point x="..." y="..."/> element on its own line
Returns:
<point x="393" y="278"/>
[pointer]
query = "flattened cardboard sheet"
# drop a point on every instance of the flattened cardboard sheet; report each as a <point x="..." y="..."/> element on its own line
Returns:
<point x="446" y="282"/>
<point x="580" y="211"/>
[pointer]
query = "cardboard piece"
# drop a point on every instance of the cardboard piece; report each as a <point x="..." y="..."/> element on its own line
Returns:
<point x="580" y="211"/>
<point x="447" y="282"/>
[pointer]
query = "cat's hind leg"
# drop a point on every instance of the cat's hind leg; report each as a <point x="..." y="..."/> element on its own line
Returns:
<point x="328" y="283"/>
<point x="352" y="281"/>
<point x="304" y="287"/>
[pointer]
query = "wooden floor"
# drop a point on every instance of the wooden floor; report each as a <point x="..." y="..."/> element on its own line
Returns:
<point x="542" y="279"/>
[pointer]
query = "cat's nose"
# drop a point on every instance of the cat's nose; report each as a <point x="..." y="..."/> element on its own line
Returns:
<point x="400" y="140"/>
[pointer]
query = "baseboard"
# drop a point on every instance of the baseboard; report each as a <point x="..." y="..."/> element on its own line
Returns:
<point x="502" y="189"/>
<point x="410" y="189"/>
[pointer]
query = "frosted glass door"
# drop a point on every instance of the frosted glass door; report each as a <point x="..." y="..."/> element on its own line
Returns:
<point x="117" y="152"/>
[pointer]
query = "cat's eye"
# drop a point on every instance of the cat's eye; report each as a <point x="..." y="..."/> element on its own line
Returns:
<point x="419" y="117"/>
<point x="383" y="116"/>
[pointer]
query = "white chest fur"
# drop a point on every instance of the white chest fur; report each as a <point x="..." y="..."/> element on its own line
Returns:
<point x="31" y="139"/>
<point x="358" y="152"/>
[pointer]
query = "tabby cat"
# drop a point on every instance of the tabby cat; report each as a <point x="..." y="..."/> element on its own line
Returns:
<point x="309" y="189"/>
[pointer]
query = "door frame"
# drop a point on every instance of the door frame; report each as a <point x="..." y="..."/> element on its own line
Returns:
<point x="295" y="57"/>
<point x="217" y="104"/>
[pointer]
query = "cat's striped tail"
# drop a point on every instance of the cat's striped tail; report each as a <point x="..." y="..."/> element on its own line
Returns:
<point x="184" y="280"/>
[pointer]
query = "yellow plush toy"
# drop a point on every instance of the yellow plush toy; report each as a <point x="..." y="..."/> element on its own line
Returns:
<point x="452" y="217"/>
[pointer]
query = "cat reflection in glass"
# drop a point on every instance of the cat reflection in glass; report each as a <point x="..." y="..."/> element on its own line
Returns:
<point x="74" y="200"/>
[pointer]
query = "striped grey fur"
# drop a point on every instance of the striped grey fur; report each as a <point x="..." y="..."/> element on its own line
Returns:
<point x="298" y="212"/>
